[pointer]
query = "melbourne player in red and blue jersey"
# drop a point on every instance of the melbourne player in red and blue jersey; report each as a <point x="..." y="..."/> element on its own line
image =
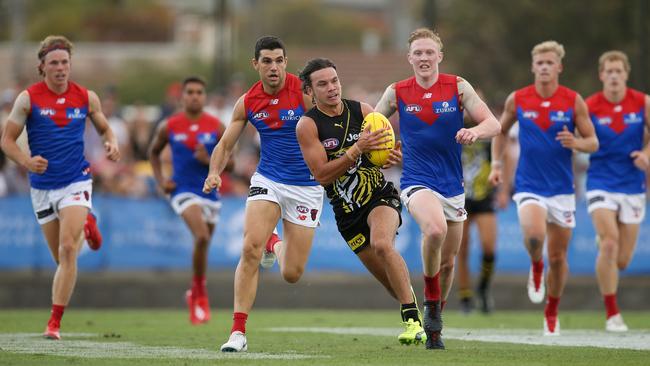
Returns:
<point x="54" y="112"/>
<point x="430" y="106"/>
<point x="282" y="187"/>
<point x="192" y="135"/>
<point x="548" y="115"/>
<point x="616" y="179"/>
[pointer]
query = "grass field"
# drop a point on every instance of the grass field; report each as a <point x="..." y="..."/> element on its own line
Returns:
<point x="316" y="337"/>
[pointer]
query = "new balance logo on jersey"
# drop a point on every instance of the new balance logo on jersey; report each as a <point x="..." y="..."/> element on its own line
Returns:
<point x="60" y="101"/>
<point x="412" y="108"/>
<point x="545" y="104"/>
<point x="274" y="101"/>
<point x="427" y="95"/>
<point x="47" y="112"/>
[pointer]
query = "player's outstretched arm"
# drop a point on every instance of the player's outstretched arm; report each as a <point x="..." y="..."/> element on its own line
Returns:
<point x="104" y="130"/>
<point x="221" y="154"/>
<point x="12" y="129"/>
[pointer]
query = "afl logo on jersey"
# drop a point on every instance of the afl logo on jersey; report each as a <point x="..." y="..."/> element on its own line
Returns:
<point x="530" y="114"/>
<point x="47" y="112"/>
<point x="331" y="143"/>
<point x="261" y="115"/>
<point x="412" y="108"/>
<point x="604" y="120"/>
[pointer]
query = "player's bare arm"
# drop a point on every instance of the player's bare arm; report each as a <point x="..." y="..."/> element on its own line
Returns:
<point x="221" y="154"/>
<point x="500" y="141"/>
<point x="487" y="124"/>
<point x="160" y="140"/>
<point x="13" y="128"/>
<point x="642" y="158"/>
<point x="587" y="142"/>
<point x="104" y="130"/>
<point x="387" y="105"/>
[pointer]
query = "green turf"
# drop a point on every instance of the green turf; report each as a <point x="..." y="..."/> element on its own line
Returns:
<point x="169" y="332"/>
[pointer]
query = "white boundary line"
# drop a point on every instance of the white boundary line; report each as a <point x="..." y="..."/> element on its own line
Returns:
<point x="635" y="340"/>
<point x="94" y="347"/>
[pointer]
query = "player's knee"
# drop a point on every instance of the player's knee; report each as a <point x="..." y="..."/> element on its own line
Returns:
<point x="251" y="253"/>
<point x="434" y="232"/>
<point x="382" y="247"/>
<point x="292" y="274"/>
<point x="608" y="247"/>
<point x="202" y="240"/>
<point x="557" y="259"/>
<point x="67" y="251"/>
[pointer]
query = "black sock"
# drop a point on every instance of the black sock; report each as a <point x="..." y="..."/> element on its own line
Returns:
<point x="410" y="311"/>
<point x="487" y="269"/>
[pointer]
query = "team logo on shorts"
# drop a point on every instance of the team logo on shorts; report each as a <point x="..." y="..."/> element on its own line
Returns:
<point x="637" y="211"/>
<point x="568" y="216"/>
<point x="460" y="212"/>
<point x="87" y="195"/>
<point x="314" y="214"/>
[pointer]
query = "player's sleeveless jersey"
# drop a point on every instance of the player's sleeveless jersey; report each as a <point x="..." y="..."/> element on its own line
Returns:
<point x="184" y="134"/>
<point x="275" y="118"/>
<point x="354" y="189"/>
<point x="619" y="127"/>
<point x="544" y="166"/>
<point x="428" y="122"/>
<point x="476" y="169"/>
<point x="55" y="128"/>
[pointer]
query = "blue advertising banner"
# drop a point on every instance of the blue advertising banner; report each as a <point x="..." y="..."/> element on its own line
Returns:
<point x="147" y="235"/>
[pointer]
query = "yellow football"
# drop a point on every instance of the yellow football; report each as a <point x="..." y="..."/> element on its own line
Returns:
<point x="378" y="121"/>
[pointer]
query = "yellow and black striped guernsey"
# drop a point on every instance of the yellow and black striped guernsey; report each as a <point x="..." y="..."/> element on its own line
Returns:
<point x="360" y="184"/>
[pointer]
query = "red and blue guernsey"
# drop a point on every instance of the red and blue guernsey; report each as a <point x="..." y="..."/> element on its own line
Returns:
<point x="55" y="128"/>
<point x="619" y="127"/>
<point x="544" y="166"/>
<point x="184" y="134"/>
<point x="429" y="120"/>
<point x="275" y="118"/>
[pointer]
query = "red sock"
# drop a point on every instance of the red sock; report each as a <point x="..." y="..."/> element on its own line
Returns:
<point x="610" y="305"/>
<point x="552" y="304"/>
<point x="270" y="245"/>
<point x="239" y="322"/>
<point x="56" y="315"/>
<point x="432" y="288"/>
<point x="538" y="270"/>
<point x="199" y="286"/>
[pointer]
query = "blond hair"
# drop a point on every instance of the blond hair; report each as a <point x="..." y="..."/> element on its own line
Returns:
<point x="424" y="33"/>
<point x="549" y="46"/>
<point x="614" y="55"/>
<point x="49" y="44"/>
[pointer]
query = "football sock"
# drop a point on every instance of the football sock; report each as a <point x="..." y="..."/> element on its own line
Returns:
<point x="552" y="304"/>
<point x="432" y="288"/>
<point x="239" y="322"/>
<point x="487" y="269"/>
<point x="410" y="311"/>
<point x="538" y="270"/>
<point x="611" y="307"/>
<point x="199" y="286"/>
<point x="56" y="315"/>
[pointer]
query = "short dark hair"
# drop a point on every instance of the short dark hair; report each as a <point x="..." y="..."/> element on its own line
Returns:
<point x="193" y="79"/>
<point x="269" y="43"/>
<point x="312" y="66"/>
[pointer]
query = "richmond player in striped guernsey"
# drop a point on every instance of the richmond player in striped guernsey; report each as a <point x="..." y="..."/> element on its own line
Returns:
<point x="616" y="179"/>
<point x="192" y="134"/>
<point x="548" y="114"/>
<point x="54" y="112"/>
<point x="430" y="106"/>
<point x="282" y="186"/>
<point x="366" y="206"/>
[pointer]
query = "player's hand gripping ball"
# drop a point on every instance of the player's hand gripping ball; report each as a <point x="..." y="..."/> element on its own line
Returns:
<point x="378" y="121"/>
